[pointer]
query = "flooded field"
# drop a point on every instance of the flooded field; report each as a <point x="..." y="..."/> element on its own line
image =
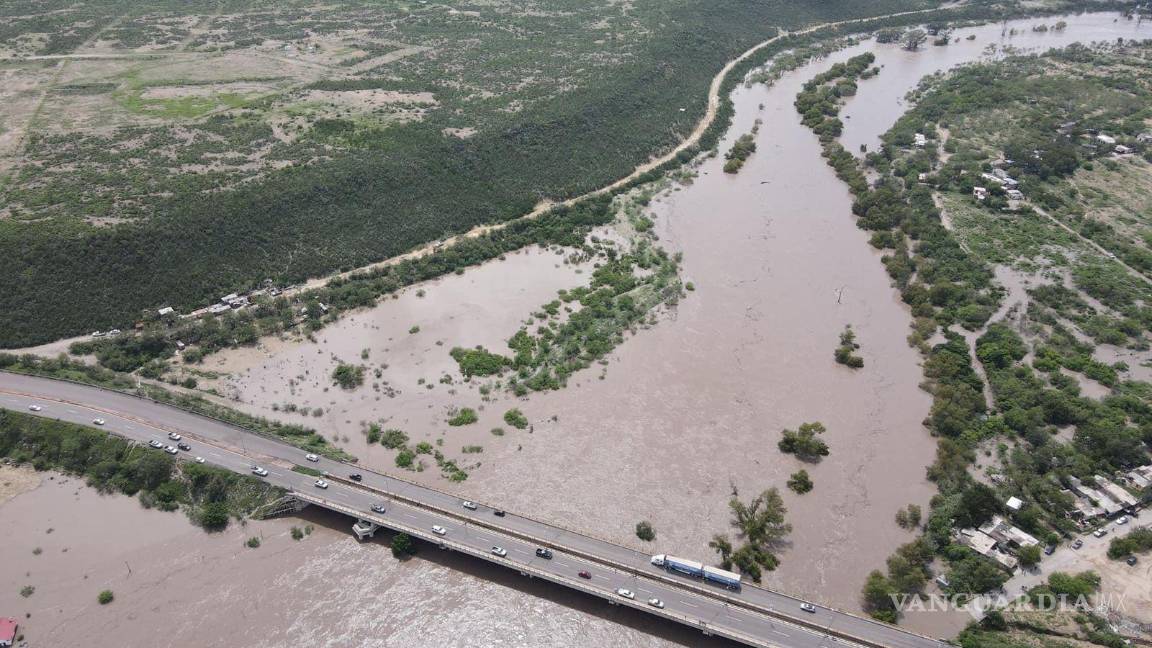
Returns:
<point x="682" y="415"/>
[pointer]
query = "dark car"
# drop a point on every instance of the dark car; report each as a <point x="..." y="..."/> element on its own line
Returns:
<point x="355" y="477"/>
<point x="183" y="446"/>
<point x="1049" y="550"/>
<point x="544" y="553"/>
<point x="498" y="513"/>
<point x="584" y="574"/>
<point x="1131" y="560"/>
<point x="377" y="508"/>
<point x="1079" y="543"/>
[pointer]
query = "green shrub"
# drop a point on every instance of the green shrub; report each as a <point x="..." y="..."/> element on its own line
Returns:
<point x="464" y="416"/>
<point x="105" y="597"/>
<point x="644" y="531"/>
<point x="516" y="419"/>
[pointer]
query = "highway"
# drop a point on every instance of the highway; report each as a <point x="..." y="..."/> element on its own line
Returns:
<point x="753" y="616"/>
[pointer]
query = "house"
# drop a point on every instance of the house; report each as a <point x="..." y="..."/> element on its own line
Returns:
<point x="1121" y="150"/>
<point x="1141" y="477"/>
<point x="985" y="545"/>
<point x="216" y="309"/>
<point x="1014" y="503"/>
<point x="1117" y="493"/>
<point x="922" y="177"/>
<point x="1014" y="194"/>
<point x="920" y="140"/>
<point x="167" y="310"/>
<point x="1106" y="139"/>
<point x="1006" y="535"/>
<point x="8" y="627"/>
<point x="1096" y="498"/>
<point x="980" y="193"/>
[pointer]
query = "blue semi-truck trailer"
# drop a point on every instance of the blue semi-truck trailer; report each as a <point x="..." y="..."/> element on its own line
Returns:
<point x="728" y="579"/>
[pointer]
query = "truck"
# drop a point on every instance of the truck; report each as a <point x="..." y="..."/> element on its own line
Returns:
<point x="696" y="569"/>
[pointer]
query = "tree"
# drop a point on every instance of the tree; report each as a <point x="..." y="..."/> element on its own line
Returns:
<point x="800" y="482"/>
<point x="403" y="546"/>
<point x="878" y="598"/>
<point x="1029" y="556"/>
<point x="214" y="516"/>
<point x="722" y="546"/>
<point x="516" y="418"/>
<point x="804" y="442"/>
<point x="978" y="503"/>
<point x="644" y="531"/>
<point x="913" y="39"/>
<point x="761" y="521"/>
<point x="105" y="597"/>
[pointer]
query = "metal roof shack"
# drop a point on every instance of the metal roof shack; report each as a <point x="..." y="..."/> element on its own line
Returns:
<point x="8" y="628"/>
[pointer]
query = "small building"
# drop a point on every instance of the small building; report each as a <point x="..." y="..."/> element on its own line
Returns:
<point x="167" y="310"/>
<point x="1095" y="498"/>
<point x="216" y="309"/>
<point x="1007" y="535"/>
<point x="1141" y="477"/>
<point x="1014" y="194"/>
<point x="8" y="627"/>
<point x="1106" y="139"/>
<point x="985" y="545"/>
<point x="980" y="193"/>
<point x="920" y="140"/>
<point x="226" y="299"/>
<point x="1121" y="150"/>
<point x="1117" y="493"/>
<point x="1144" y="138"/>
<point x="1014" y="503"/>
<point x="922" y="177"/>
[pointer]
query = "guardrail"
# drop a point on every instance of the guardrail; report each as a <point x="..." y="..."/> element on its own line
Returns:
<point x="534" y="572"/>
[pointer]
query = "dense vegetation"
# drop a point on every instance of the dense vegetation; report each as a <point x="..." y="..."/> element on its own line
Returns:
<point x="760" y="524"/>
<point x="804" y="442"/>
<point x="210" y="496"/>
<point x="741" y="150"/>
<point x="846" y="353"/>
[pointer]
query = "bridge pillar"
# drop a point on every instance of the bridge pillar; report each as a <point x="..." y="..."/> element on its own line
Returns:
<point x="364" y="529"/>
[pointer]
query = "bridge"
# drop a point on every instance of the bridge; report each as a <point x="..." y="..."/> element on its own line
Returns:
<point x="752" y="616"/>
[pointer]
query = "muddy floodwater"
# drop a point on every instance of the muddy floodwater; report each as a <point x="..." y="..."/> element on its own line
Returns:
<point x="683" y="414"/>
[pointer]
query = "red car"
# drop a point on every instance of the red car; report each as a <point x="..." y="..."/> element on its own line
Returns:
<point x="584" y="574"/>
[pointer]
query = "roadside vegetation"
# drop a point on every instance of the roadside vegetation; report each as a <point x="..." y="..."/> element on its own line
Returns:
<point x="211" y="497"/>
<point x="760" y="525"/>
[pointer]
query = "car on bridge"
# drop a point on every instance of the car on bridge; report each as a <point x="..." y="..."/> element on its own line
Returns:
<point x="471" y="506"/>
<point x="311" y="457"/>
<point x="356" y="477"/>
<point x="544" y="553"/>
<point x="625" y="593"/>
<point x="377" y="508"/>
<point x="584" y="574"/>
<point x="170" y="450"/>
<point x="439" y="530"/>
<point x="259" y="471"/>
<point x="499" y="551"/>
<point x="98" y="421"/>
<point x="155" y="444"/>
<point x="183" y="446"/>
<point x="35" y="408"/>
<point x="199" y="459"/>
<point x="320" y="483"/>
<point x="808" y="607"/>
<point x="656" y="603"/>
<point x="174" y="436"/>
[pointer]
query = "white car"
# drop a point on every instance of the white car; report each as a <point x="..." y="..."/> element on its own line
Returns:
<point x="499" y="551"/>
<point x="439" y="530"/>
<point x="311" y="457"/>
<point x="35" y="408"/>
<point x="199" y="459"/>
<point x="656" y="603"/>
<point x="98" y="421"/>
<point x="808" y="607"/>
<point x="171" y="450"/>
<point x="155" y="444"/>
<point x="1122" y="521"/>
<point x="260" y="471"/>
<point x="1099" y="533"/>
<point x="626" y="593"/>
<point x="471" y="506"/>
<point x="320" y="483"/>
<point x="174" y="436"/>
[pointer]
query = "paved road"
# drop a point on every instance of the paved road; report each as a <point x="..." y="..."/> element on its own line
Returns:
<point x="753" y="615"/>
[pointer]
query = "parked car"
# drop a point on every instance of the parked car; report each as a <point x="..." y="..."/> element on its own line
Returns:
<point x="583" y="574"/>
<point x="499" y="551"/>
<point x="199" y="459"/>
<point x="155" y="444"/>
<point x="311" y="457"/>
<point x="808" y="607"/>
<point x="1049" y="550"/>
<point x="356" y="477"/>
<point x="498" y="513"/>
<point x="439" y="530"/>
<point x="260" y="471"/>
<point x="625" y="593"/>
<point x="183" y="446"/>
<point x="98" y="421"/>
<point x="35" y="408"/>
<point x="320" y="483"/>
<point x="1079" y="543"/>
<point x="174" y="436"/>
<point x="1131" y="560"/>
<point x="544" y="552"/>
<point x="377" y="508"/>
<point x="170" y="450"/>
<point x="1122" y="520"/>
<point x="656" y="603"/>
<point x="471" y="506"/>
<point x="1099" y="533"/>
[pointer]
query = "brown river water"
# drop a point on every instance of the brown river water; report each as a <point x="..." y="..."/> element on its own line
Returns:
<point x="682" y="414"/>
